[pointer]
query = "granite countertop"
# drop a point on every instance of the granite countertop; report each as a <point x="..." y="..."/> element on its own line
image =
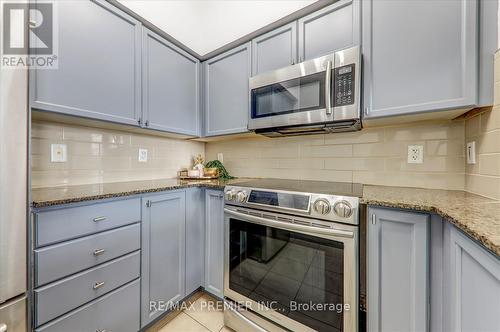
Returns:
<point x="477" y="216"/>
<point x="43" y="197"/>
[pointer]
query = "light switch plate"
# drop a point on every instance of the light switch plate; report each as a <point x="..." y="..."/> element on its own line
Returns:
<point x="471" y="152"/>
<point x="415" y="154"/>
<point x="143" y="155"/>
<point x="58" y="153"/>
<point x="220" y="157"/>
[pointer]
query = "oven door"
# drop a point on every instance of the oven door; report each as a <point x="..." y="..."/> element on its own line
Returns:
<point x="302" y="277"/>
<point x="294" y="95"/>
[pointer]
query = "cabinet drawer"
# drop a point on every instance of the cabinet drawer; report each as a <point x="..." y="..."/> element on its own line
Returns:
<point x="62" y="296"/>
<point x="61" y="225"/>
<point x="116" y="311"/>
<point x="63" y="259"/>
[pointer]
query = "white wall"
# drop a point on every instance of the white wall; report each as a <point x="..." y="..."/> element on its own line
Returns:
<point x="207" y="25"/>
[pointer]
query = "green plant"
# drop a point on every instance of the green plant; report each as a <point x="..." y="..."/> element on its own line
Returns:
<point x="223" y="173"/>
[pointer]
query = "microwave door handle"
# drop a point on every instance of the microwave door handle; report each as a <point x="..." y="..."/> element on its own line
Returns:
<point x="328" y="87"/>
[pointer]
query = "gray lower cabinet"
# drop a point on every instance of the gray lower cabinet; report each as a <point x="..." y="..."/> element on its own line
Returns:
<point x="397" y="271"/>
<point x="410" y="67"/>
<point x="65" y="295"/>
<point x="115" y="311"/>
<point x="99" y="59"/>
<point x="195" y="239"/>
<point x="471" y="284"/>
<point x="275" y="49"/>
<point x="163" y="253"/>
<point x="226" y="91"/>
<point x="332" y="28"/>
<point x="170" y="90"/>
<point x="214" y="242"/>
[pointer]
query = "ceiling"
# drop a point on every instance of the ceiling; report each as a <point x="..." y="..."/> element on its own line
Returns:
<point x="205" y="25"/>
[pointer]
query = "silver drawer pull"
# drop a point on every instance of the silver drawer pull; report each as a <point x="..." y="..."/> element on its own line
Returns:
<point x="103" y="330"/>
<point x="98" y="285"/>
<point x="97" y="219"/>
<point x="98" y="252"/>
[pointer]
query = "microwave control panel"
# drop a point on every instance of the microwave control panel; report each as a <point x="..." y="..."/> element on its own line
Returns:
<point x="343" y="85"/>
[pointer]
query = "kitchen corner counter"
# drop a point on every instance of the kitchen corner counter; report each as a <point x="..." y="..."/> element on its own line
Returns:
<point x="51" y="196"/>
<point x="477" y="216"/>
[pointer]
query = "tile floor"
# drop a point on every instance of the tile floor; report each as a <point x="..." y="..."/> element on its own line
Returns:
<point x="203" y="315"/>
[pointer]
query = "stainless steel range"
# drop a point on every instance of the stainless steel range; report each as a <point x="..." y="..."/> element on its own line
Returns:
<point x="291" y="255"/>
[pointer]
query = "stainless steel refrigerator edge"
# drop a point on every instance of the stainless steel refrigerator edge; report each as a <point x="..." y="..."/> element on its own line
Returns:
<point x="13" y="198"/>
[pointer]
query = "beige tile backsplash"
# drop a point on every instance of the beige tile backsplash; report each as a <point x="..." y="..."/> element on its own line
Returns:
<point x="483" y="178"/>
<point x="371" y="156"/>
<point x="101" y="155"/>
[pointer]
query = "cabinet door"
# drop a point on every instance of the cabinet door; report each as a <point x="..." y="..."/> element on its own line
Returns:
<point x="170" y="86"/>
<point x="412" y="67"/>
<point x="163" y="253"/>
<point x="329" y="29"/>
<point x="471" y="284"/>
<point x="227" y="96"/>
<point x="397" y="259"/>
<point x="275" y="49"/>
<point x="214" y="242"/>
<point x="195" y="239"/>
<point x="99" y="74"/>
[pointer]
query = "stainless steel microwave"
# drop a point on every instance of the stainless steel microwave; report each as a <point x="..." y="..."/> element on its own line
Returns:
<point x="315" y="96"/>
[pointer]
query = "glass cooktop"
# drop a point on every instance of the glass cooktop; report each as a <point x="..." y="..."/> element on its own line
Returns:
<point x="306" y="186"/>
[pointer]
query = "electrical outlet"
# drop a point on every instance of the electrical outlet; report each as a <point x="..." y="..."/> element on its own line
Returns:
<point x="220" y="157"/>
<point x="143" y="155"/>
<point x="415" y="154"/>
<point x="471" y="152"/>
<point x="58" y="153"/>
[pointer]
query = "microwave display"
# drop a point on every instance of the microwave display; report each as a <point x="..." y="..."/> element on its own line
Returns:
<point x="343" y="85"/>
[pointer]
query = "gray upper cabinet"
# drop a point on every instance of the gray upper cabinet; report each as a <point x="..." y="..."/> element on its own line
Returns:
<point x="195" y="239"/>
<point x="471" y="286"/>
<point x="163" y="253"/>
<point x="329" y="29"/>
<point x="488" y="40"/>
<point x="411" y="67"/>
<point x="214" y="242"/>
<point x="275" y="49"/>
<point x="226" y="98"/>
<point x="397" y="270"/>
<point x="170" y="90"/>
<point x="99" y="74"/>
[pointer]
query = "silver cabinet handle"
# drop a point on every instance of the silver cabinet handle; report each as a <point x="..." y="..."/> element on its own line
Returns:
<point x="97" y="219"/>
<point x="98" y="252"/>
<point x="98" y="285"/>
<point x="328" y="86"/>
<point x="100" y="330"/>
<point x="3" y="327"/>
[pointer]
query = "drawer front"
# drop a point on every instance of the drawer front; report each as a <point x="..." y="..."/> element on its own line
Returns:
<point x="63" y="259"/>
<point x="63" y="296"/>
<point x="117" y="311"/>
<point x="65" y="224"/>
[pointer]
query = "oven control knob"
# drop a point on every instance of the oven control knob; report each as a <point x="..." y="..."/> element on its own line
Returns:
<point x="241" y="196"/>
<point x="342" y="209"/>
<point x="321" y="206"/>
<point x="230" y="195"/>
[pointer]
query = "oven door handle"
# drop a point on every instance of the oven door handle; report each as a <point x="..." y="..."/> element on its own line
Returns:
<point x="328" y="87"/>
<point x="290" y="226"/>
